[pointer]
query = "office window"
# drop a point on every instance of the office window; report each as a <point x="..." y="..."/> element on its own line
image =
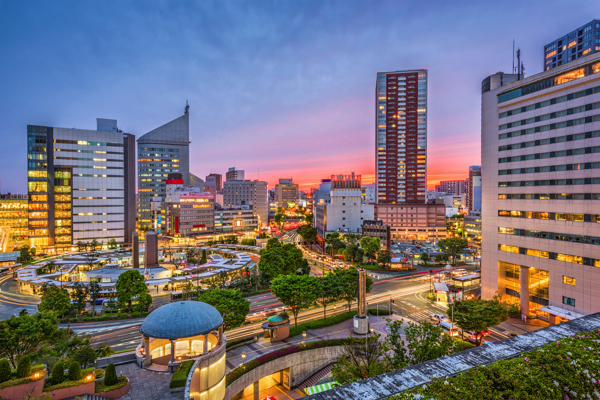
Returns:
<point x="568" y="301"/>
<point x="568" y="280"/>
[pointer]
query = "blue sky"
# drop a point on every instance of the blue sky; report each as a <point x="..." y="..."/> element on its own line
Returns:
<point x="277" y="88"/>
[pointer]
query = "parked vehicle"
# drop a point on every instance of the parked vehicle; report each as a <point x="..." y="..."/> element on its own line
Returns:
<point x="437" y="317"/>
<point x="449" y="329"/>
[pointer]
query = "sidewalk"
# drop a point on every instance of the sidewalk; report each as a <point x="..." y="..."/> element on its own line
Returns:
<point x="517" y="326"/>
<point x="264" y="346"/>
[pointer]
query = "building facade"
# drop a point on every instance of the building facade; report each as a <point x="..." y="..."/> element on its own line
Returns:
<point x="161" y="151"/>
<point x="347" y="209"/>
<point x="81" y="185"/>
<point x="401" y="136"/>
<point x="452" y="187"/>
<point x="474" y="188"/>
<point x="413" y="221"/>
<point x="249" y="193"/>
<point x="378" y="229"/>
<point x="572" y="46"/>
<point x="541" y="192"/>
<point x="286" y="193"/>
<point x="233" y="174"/>
<point x="472" y="227"/>
<point x="238" y="218"/>
<point x="14" y="221"/>
<point x="213" y="183"/>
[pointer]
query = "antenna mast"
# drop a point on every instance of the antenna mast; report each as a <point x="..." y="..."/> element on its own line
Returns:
<point x="187" y="107"/>
<point x="513" y="54"/>
<point x="519" y="63"/>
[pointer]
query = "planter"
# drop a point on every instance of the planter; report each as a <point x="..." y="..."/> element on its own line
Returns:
<point x="115" y="394"/>
<point x="19" y="392"/>
<point x="65" y="393"/>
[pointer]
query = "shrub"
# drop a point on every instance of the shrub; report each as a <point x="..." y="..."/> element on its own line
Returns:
<point x="110" y="377"/>
<point x="24" y="367"/>
<point x="374" y="311"/>
<point x="321" y="323"/>
<point x="180" y="376"/>
<point x="58" y="374"/>
<point x="5" y="373"/>
<point x="87" y="319"/>
<point x="99" y="373"/>
<point x="102" y="387"/>
<point x="75" y="371"/>
<point x="136" y="314"/>
<point x="430" y="296"/>
<point x="462" y="345"/>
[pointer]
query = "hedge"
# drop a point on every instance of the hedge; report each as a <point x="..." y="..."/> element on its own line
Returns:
<point x="101" y="387"/>
<point x="257" y="362"/>
<point x="374" y="311"/>
<point x="180" y="376"/>
<point x="564" y="369"/>
<point x="67" y="384"/>
<point x="20" y="381"/>
<point x="236" y="342"/>
<point x="461" y="345"/>
<point x="321" y="323"/>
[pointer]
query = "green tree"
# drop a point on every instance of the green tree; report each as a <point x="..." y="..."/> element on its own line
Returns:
<point x="26" y="255"/>
<point x="354" y="253"/>
<point x="85" y="356"/>
<point x="79" y="295"/>
<point x="279" y="219"/>
<point x="271" y="264"/>
<point x="425" y="258"/>
<point x="349" y="284"/>
<point x="112" y="243"/>
<point x="203" y="260"/>
<point x="24" y="366"/>
<point x="273" y="242"/>
<point x="230" y="303"/>
<point x="478" y="315"/>
<point x="110" y="377"/>
<point x="308" y="218"/>
<point x="423" y="342"/>
<point x="329" y="291"/>
<point x="94" y="244"/>
<point x="55" y="300"/>
<point x="58" y="374"/>
<point x="360" y="360"/>
<point x="94" y="291"/>
<point x="452" y="247"/>
<point x="75" y="371"/>
<point x="5" y="370"/>
<point x="308" y="233"/>
<point x="23" y="334"/>
<point x="296" y="292"/>
<point x="144" y="301"/>
<point x="371" y="245"/>
<point x="384" y="257"/>
<point x="188" y="291"/>
<point x="130" y="285"/>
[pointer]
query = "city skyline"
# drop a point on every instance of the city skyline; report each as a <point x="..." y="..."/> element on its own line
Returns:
<point x="291" y="86"/>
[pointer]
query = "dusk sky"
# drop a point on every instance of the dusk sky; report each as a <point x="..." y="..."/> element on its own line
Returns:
<point x="276" y="88"/>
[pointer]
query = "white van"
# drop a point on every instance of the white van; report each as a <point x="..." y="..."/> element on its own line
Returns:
<point x="449" y="329"/>
<point x="460" y="272"/>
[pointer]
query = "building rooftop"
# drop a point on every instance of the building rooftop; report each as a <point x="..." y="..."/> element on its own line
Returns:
<point x="181" y="319"/>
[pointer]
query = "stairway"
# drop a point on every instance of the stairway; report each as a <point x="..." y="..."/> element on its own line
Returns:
<point x="92" y="397"/>
<point x="315" y="378"/>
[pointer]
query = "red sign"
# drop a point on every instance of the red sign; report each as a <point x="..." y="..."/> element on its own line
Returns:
<point x="199" y="226"/>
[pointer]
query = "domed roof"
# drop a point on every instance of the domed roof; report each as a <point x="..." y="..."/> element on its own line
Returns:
<point x="181" y="319"/>
<point x="277" y="318"/>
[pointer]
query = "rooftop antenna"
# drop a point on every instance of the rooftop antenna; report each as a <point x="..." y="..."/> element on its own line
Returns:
<point x="187" y="107"/>
<point x="519" y="63"/>
<point x="513" y="70"/>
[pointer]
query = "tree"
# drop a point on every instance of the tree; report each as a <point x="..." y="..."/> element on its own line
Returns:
<point x="94" y="244"/>
<point x="80" y="246"/>
<point x="329" y="291"/>
<point x="112" y="243"/>
<point x="5" y="370"/>
<point x="308" y="218"/>
<point x="273" y="242"/>
<point x="371" y="245"/>
<point x="85" y="356"/>
<point x="296" y="292"/>
<point x="203" y="260"/>
<point x="130" y="285"/>
<point x="478" y="315"/>
<point x="354" y="253"/>
<point x="51" y="266"/>
<point x="55" y="300"/>
<point x="423" y="342"/>
<point x="425" y="258"/>
<point x="23" y="334"/>
<point x="79" y="294"/>
<point x="94" y="291"/>
<point x="231" y="305"/>
<point x="360" y="361"/>
<point x="349" y="284"/>
<point x="308" y="233"/>
<point x="452" y="247"/>
<point x="384" y="257"/>
<point x="271" y="264"/>
<point x="75" y="371"/>
<point x="144" y="301"/>
<point x="279" y="219"/>
<point x="58" y="373"/>
<point x="24" y="367"/>
<point x="110" y="377"/>
<point x="188" y="291"/>
<point x="26" y="254"/>
<point x="110" y="302"/>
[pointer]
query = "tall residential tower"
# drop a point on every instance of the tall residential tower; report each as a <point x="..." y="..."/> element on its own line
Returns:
<point x="401" y="136"/>
<point x="164" y="150"/>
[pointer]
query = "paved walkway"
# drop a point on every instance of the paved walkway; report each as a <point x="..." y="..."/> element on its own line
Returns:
<point x="264" y="346"/>
<point x="518" y="327"/>
<point x="147" y="385"/>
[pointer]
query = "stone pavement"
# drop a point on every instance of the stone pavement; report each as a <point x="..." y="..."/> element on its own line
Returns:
<point x="518" y="327"/>
<point x="263" y="346"/>
<point x="147" y="385"/>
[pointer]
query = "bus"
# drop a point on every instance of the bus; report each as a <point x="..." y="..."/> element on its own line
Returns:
<point x="176" y="296"/>
<point x="449" y="329"/>
<point x="102" y="296"/>
<point x="7" y="268"/>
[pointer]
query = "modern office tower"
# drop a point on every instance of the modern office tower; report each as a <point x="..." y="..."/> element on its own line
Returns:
<point x="196" y="181"/>
<point x="13" y="221"/>
<point x="401" y="136"/>
<point x="286" y="193"/>
<point x="233" y="174"/>
<point x="347" y="209"/>
<point x="572" y="46"/>
<point x="452" y="187"/>
<point x="474" y="188"/>
<point x="213" y="182"/>
<point x="370" y="193"/>
<point x="237" y="218"/>
<point x="246" y="192"/>
<point x="541" y="193"/>
<point x="164" y="150"/>
<point x="81" y="185"/>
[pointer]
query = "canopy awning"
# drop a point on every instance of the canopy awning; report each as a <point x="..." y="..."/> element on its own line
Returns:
<point x="440" y="286"/>
<point x="561" y="312"/>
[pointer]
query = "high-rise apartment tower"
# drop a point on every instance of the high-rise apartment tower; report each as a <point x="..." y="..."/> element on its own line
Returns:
<point x="572" y="46"/>
<point x="401" y="136"/>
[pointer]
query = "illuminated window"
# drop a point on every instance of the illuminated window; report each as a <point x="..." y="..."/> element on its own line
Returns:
<point x="552" y="53"/>
<point x="568" y="280"/>
<point x="573" y="43"/>
<point x="569" y="76"/>
<point x="37" y="174"/>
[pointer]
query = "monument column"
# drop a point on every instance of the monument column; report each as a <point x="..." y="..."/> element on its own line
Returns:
<point x="135" y="250"/>
<point x="361" y="321"/>
<point x="524" y="290"/>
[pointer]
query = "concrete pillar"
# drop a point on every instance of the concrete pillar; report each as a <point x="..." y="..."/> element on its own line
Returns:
<point x="135" y="250"/>
<point x="151" y="250"/>
<point x="172" y="350"/>
<point x="205" y="345"/>
<point x="524" y="290"/>
<point x="256" y="391"/>
<point x="220" y="333"/>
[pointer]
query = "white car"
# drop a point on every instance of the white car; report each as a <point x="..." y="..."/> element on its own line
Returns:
<point x="437" y="317"/>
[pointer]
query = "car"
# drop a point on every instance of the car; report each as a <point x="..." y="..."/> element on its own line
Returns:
<point x="477" y="334"/>
<point x="437" y="317"/>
